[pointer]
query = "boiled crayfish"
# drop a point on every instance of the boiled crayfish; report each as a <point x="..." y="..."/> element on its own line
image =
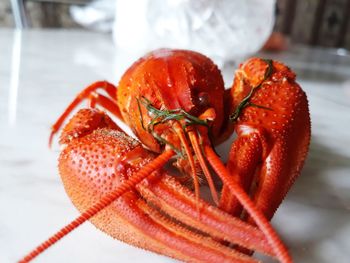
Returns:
<point x="176" y="104"/>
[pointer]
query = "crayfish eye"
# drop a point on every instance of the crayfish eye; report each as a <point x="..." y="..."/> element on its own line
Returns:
<point x="203" y="99"/>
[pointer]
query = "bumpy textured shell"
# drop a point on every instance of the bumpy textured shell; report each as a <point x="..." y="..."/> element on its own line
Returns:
<point x="94" y="165"/>
<point x="283" y="128"/>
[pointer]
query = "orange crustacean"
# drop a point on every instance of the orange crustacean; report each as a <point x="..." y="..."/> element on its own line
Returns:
<point x="176" y="104"/>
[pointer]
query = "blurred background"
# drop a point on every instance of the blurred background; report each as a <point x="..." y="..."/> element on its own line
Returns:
<point x="310" y="22"/>
<point x="51" y="49"/>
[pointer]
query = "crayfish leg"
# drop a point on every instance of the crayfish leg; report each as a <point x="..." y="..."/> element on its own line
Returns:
<point x="244" y="159"/>
<point x="167" y="194"/>
<point x="94" y="98"/>
<point x="197" y="149"/>
<point x="179" y="131"/>
<point x="273" y="125"/>
<point x="264" y="169"/>
<point x="84" y="122"/>
<point x="259" y="218"/>
<point x="129" y="218"/>
<point x="148" y="228"/>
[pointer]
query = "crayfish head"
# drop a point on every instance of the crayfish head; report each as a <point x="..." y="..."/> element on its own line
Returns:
<point x="171" y="82"/>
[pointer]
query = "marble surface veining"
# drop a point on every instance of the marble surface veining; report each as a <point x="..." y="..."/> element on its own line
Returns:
<point x="40" y="73"/>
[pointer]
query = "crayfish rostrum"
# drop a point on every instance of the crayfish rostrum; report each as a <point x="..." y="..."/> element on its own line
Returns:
<point x="176" y="104"/>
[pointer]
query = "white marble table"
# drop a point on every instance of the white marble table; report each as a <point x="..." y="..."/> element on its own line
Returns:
<point x="41" y="71"/>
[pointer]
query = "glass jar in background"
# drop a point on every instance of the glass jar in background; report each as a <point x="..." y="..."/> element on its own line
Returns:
<point x="224" y="30"/>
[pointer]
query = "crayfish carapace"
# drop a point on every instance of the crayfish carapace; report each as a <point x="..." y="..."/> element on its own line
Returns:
<point x="176" y="104"/>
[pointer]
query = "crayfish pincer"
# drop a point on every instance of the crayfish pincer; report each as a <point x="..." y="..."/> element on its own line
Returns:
<point x="176" y="104"/>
